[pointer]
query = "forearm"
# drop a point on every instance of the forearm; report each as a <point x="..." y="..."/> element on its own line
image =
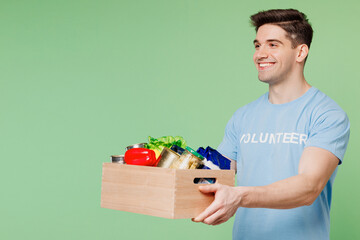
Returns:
<point x="292" y="192"/>
<point x="315" y="169"/>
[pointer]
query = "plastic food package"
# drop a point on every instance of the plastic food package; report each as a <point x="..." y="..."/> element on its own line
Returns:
<point x="215" y="157"/>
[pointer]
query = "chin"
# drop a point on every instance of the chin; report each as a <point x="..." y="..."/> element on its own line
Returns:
<point x="264" y="79"/>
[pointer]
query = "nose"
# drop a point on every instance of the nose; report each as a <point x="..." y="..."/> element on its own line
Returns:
<point x="260" y="53"/>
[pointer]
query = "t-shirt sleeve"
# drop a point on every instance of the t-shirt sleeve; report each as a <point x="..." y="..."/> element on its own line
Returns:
<point x="228" y="146"/>
<point x="331" y="131"/>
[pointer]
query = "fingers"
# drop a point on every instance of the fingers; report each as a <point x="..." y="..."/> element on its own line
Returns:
<point x="214" y="214"/>
<point x="218" y="221"/>
<point x="222" y="208"/>
<point x="207" y="212"/>
<point x="215" y="219"/>
<point x="209" y="188"/>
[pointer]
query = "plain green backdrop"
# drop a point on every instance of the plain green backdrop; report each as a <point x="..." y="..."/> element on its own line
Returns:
<point x="82" y="79"/>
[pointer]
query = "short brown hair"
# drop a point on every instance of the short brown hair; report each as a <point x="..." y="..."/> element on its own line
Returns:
<point x="295" y="23"/>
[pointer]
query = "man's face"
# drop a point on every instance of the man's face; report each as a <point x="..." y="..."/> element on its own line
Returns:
<point x="274" y="56"/>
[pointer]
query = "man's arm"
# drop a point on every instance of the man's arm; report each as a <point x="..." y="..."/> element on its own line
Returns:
<point x="315" y="169"/>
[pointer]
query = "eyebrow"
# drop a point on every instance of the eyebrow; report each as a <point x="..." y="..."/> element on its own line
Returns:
<point x="270" y="40"/>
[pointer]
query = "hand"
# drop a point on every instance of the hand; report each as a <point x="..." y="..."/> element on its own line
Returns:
<point x="226" y="202"/>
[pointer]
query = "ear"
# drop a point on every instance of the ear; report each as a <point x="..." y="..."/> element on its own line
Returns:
<point x="303" y="51"/>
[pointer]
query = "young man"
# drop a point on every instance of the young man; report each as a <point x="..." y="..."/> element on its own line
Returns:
<point x="287" y="144"/>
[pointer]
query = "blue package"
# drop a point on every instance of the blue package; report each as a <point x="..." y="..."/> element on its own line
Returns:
<point x="215" y="157"/>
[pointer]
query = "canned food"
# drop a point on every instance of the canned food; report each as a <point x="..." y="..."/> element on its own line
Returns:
<point x="138" y="145"/>
<point x="177" y="149"/>
<point x="189" y="159"/>
<point x="167" y="157"/>
<point x="117" y="159"/>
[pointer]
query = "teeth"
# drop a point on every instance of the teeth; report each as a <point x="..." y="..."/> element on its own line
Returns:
<point x="265" y="64"/>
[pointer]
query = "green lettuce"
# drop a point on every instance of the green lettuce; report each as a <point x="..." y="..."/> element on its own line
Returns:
<point x="166" y="141"/>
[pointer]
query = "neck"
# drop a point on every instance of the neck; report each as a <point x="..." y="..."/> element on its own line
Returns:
<point x="287" y="91"/>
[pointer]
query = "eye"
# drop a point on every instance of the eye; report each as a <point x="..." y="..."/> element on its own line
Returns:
<point x="257" y="46"/>
<point x="273" y="45"/>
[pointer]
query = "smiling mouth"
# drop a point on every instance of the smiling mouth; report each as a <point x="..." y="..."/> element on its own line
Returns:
<point x="265" y="65"/>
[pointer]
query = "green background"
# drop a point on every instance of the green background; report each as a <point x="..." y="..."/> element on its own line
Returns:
<point x="81" y="80"/>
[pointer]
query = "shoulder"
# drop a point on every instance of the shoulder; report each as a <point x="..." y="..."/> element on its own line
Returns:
<point x="329" y="125"/>
<point x="324" y="101"/>
<point x="251" y="107"/>
<point x="324" y="108"/>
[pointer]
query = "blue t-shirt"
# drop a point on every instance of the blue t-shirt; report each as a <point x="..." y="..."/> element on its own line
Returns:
<point x="267" y="141"/>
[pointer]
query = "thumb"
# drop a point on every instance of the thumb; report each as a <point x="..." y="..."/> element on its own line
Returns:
<point x="209" y="188"/>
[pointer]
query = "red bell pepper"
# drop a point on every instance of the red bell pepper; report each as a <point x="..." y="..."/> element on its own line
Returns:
<point x="140" y="156"/>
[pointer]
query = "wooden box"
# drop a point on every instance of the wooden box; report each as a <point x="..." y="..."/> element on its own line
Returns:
<point x="161" y="192"/>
